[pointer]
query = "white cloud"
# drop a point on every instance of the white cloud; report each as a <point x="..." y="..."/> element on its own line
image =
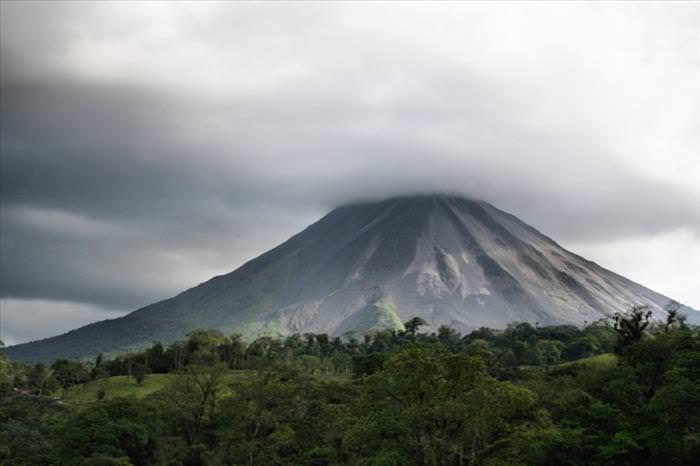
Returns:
<point x="25" y="320"/>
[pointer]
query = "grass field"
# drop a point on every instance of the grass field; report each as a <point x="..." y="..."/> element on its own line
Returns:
<point x="601" y="360"/>
<point x="126" y="386"/>
<point x="118" y="386"/>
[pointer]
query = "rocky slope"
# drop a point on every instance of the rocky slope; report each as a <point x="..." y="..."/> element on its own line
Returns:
<point x="367" y="266"/>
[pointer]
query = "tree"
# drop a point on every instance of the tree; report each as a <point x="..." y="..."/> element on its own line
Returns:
<point x="99" y="371"/>
<point x="6" y="375"/>
<point x="449" y="337"/>
<point x="578" y="348"/>
<point x="367" y="364"/>
<point x="233" y="352"/>
<point x="342" y="362"/>
<point x="630" y="326"/>
<point x="40" y="378"/>
<point x="28" y="431"/>
<point x="119" y="429"/>
<point x="192" y="398"/>
<point x="202" y="346"/>
<point x="482" y="333"/>
<point x="264" y="422"/>
<point x="429" y="407"/>
<point x="139" y="371"/>
<point x="550" y="351"/>
<point x="157" y="359"/>
<point x="523" y="332"/>
<point x="413" y="325"/>
<point x="413" y="401"/>
<point x="674" y="318"/>
<point x="70" y="373"/>
<point x="179" y="354"/>
<point x="479" y="348"/>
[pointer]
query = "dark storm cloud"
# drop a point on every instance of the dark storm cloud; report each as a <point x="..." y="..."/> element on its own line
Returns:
<point x="125" y="152"/>
<point x="144" y="150"/>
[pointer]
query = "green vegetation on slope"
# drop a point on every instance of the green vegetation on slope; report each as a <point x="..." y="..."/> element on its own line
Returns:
<point x="117" y="386"/>
<point x="522" y="396"/>
<point x="378" y="317"/>
<point x="120" y="386"/>
<point x="603" y="361"/>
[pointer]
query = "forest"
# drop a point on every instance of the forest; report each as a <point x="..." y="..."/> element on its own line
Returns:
<point x="620" y="392"/>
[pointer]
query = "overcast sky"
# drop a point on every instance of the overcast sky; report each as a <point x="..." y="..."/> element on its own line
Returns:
<point x="148" y="147"/>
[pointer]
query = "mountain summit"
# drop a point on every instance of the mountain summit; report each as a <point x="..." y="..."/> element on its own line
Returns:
<point x="368" y="266"/>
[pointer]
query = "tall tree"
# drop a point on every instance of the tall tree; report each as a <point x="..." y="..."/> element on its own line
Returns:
<point x="630" y="326"/>
<point x="413" y="325"/>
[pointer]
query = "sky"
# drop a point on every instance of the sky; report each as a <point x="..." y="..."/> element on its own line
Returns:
<point x="146" y="147"/>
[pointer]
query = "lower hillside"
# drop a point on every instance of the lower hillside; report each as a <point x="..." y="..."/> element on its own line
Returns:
<point x="619" y="393"/>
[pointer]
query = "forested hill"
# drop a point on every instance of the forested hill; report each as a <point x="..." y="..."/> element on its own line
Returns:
<point x="623" y="393"/>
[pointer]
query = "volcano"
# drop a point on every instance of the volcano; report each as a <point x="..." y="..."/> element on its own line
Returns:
<point x="370" y="266"/>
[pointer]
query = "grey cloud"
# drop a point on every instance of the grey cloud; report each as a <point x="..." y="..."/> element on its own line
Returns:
<point x="167" y="180"/>
<point x="128" y="152"/>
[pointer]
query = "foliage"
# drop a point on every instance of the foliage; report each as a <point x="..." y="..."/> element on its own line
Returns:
<point x="525" y="395"/>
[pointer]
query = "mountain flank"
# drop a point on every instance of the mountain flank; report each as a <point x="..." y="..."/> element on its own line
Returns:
<point x="369" y="266"/>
